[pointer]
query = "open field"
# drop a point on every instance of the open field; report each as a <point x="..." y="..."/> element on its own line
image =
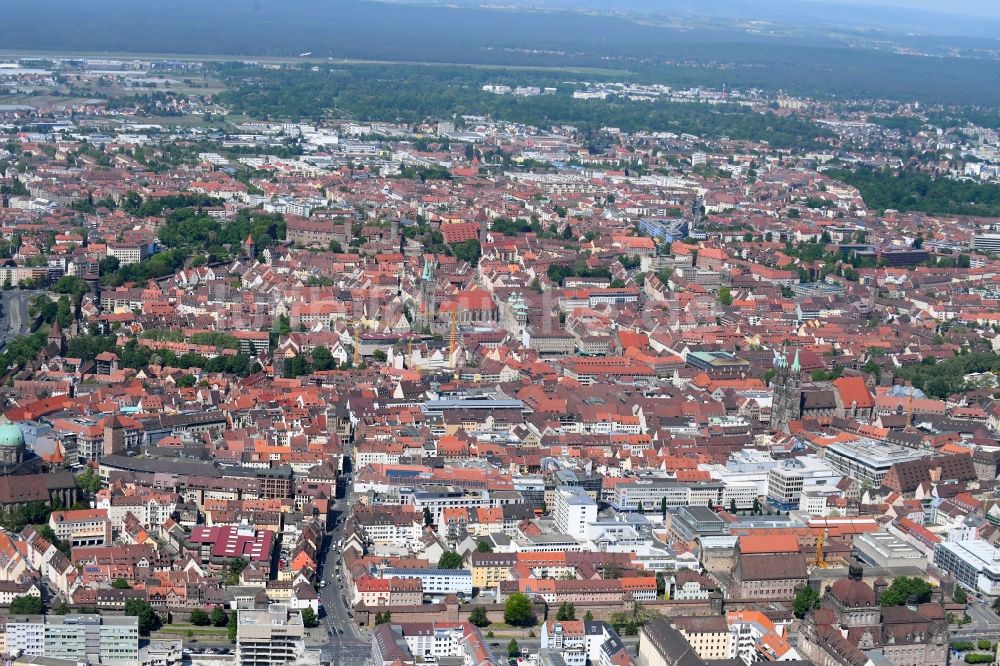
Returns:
<point x="291" y="60"/>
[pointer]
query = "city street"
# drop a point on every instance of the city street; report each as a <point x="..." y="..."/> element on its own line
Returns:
<point x="14" y="318"/>
<point x="981" y="614"/>
<point x="339" y="637"/>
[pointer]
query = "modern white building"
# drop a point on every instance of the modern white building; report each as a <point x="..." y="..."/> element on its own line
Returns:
<point x="974" y="563"/>
<point x="868" y="461"/>
<point x="814" y="500"/>
<point x="574" y="509"/>
<point x="786" y="481"/>
<point x="650" y="493"/>
<point x="436" y="581"/>
<point x="882" y="549"/>
<point x="438" y="498"/>
<point x="76" y="638"/>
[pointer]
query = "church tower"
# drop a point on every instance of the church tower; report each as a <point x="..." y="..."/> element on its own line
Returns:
<point x="428" y="306"/>
<point x="786" y="404"/>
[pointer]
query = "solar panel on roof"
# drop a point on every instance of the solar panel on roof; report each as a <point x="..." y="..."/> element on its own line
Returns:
<point x="403" y="473"/>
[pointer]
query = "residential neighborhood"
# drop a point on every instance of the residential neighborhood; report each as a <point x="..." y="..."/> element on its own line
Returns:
<point x="480" y="392"/>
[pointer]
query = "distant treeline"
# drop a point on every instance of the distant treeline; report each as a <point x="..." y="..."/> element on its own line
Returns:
<point x="411" y="94"/>
<point x="363" y="30"/>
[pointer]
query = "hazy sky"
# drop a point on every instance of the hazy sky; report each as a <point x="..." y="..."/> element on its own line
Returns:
<point x="969" y="7"/>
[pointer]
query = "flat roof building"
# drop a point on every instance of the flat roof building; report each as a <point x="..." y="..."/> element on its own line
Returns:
<point x="974" y="563"/>
<point x="76" y="638"/>
<point x="866" y="460"/>
<point x="882" y="549"/>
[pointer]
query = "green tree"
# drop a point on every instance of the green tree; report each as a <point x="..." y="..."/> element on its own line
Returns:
<point x="219" y="617"/>
<point x="297" y="366"/>
<point x="89" y="481"/>
<point x="588" y="616"/>
<point x="478" y="617"/>
<point x="725" y="296"/>
<point x="236" y="567"/>
<point x="383" y="618"/>
<point x="199" y="618"/>
<point x="517" y="610"/>
<point x="960" y="596"/>
<point x="309" y="618"/>
<point x="469" y="251"/>
<point x="640" y="508"/>
<point x="663" y="507"/>
<point x="428" y="518"/>
<point x="232" y="626"/>
<point x="902" y="588"/>
<point x="49" y="535"/>
<point x="661" y="584"/>
<point x="484" y="547"/>
<point x="130" y="202"/>
<point x="26" y="605"/>
<point x="121" y="584"/>
<point x="756" y="506"/>
<point x="450" y="560"/>
<point x="567" y="611"/>
<point x="322" y="359"/>
<point x="187" y="381"/>
<point x="806" y="600"/>
<point x="148" y="619"/>
<point x="64" y="312"/>
<point x="513" y="649"/>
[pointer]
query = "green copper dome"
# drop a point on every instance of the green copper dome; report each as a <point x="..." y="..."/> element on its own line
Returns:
<point x="11" y="436"/>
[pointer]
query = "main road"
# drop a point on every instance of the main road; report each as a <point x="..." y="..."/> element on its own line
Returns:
<point x="338" y="636"/>
<point x="14" y="318"/>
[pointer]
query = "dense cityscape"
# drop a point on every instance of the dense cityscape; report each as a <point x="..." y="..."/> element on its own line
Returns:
<point x="317" y="362"/>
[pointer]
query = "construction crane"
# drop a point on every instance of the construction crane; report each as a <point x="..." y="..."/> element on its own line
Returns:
<point x="453" y="339"/>
<point x="820" y="561"/>
<point x="357" y="346"/>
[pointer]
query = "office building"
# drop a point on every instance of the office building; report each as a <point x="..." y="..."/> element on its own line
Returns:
<point x="650" y="493"/>
<point x="77" y="638"/>
<point x="691" y="523"/>
<point x="986" y="242"/>
<point x="436" y="581"/>
<point x="786" y="481"/>
<point x="974" y="563"/>
<point x="573" y="510"/>
<point x="881" y="549"/>
<point x="272" y="636"/>
<point x="867" y="461"/>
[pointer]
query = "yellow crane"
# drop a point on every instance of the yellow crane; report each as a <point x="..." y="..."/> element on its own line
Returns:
<point x="357" y="346"/>
<point x="453" y="339"/>
<point x="820" y="560"/>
